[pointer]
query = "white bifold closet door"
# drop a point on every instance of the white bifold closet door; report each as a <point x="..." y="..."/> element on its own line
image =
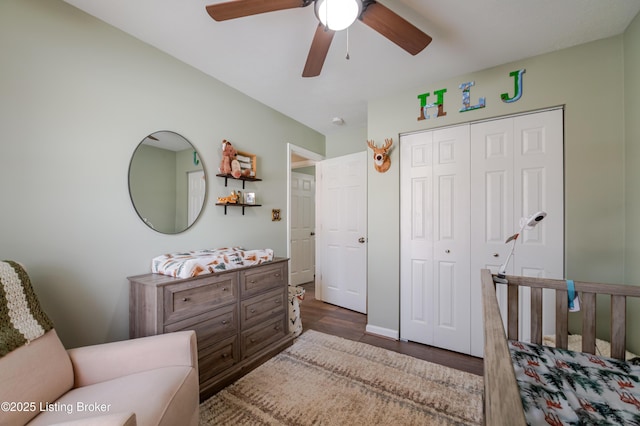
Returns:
<point x="514" y="167"/>
<point x="435" y="268"/>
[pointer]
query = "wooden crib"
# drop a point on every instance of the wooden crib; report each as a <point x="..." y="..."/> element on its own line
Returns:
<point x="502" y="401"/>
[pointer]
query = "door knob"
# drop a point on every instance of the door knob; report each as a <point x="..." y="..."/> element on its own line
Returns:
<point x="312" y="234"/>
<point x="361" y="240"/>
<point x="496" y="255"/>
<point x="447" y="251"/>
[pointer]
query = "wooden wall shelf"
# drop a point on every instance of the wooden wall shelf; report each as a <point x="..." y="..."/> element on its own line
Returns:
<point x="242" y="178"/>
<point x="237" y="205"/>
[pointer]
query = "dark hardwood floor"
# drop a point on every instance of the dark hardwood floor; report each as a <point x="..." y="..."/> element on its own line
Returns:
<point x="331" y="319"/>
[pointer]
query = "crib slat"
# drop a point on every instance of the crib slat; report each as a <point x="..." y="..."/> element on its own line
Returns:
<point x="562" y="319"/>
<point x="588" y="307"/>
<point x="513" y="318"/>
<point x="618" y="326"/>
<point x="536" y="316"/>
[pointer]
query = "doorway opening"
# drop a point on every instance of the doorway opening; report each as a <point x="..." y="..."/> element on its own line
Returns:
<point x="301" y="203"/>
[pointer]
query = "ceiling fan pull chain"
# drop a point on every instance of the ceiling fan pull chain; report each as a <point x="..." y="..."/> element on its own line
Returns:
<point x="347" y="57"/>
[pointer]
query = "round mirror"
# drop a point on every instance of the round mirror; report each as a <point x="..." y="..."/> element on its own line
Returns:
<point x="167" y="182"/>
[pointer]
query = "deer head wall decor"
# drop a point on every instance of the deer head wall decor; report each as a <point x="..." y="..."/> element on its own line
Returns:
<point x="381" y="160"/>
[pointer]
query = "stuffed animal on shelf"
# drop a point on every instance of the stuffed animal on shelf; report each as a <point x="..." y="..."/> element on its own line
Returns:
<point x="229" y="165"/>
<point x="231" y="199"/>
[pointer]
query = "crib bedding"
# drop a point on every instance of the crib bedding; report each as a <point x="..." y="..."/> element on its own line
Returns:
<point x="563" y="387"/>
<point x="198" y="262"/>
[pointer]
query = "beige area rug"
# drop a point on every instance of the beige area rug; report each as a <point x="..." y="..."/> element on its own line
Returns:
<point x="327" y="380"/>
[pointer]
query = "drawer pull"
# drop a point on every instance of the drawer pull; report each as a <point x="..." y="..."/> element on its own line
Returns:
<point x="277" y="275"/>
<point x="185" y="299"/>
<point x="253" y="311"/>
<point x="225" y="356"/>
<point x="252" y="281"/>
<point x="225" y="322"/>
<point x="278" y="301"/>
<point x="224" y="289"/>
<point x="252" y="340"/>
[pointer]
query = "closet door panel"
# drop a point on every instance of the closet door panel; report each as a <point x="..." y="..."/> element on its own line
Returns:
<point x="492" y="201"/>
<point x="452" y="301"/>
<point x="539" y="160"/>
<point x="417" y="235"/>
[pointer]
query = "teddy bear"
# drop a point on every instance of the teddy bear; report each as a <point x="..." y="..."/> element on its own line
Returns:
<point x="229" y="165"/>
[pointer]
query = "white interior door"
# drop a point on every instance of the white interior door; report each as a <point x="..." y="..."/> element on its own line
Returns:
<point x="302" y="224"/>
<point x="196" y="194"/>
<point x="341" y="226"/>
<point x="435" y="289"/>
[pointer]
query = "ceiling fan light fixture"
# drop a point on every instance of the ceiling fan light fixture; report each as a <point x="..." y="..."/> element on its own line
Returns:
<point x="337" y="14"/>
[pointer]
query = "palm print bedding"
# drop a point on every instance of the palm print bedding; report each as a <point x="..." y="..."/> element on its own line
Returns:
<point x="562" y="387"/>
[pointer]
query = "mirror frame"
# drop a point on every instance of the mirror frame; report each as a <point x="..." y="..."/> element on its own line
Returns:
<point x="156" y="140"/>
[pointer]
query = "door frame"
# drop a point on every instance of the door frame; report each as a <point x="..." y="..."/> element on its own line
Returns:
<point x="311" y="158"/>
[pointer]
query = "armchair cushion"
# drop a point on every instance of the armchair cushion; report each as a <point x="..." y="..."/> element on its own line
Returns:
<point x="99" y="363"/>
<point x="38" y="373"/>
<point x="164" y="396"/>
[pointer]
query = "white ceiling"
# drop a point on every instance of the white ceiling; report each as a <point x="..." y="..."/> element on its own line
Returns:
<point x="263" y="55"/>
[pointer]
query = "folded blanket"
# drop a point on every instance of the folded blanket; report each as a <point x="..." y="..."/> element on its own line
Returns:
<point x="194" y="263"/>
<point x="21" y="317"/>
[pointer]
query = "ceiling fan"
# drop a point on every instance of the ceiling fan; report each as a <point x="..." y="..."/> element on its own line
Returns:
<point x="370" y="12"/>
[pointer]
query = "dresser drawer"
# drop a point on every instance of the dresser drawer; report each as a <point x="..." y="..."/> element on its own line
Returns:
<point x="210" y="326"/>
<point x="256" y="280"/>
<point x="215" y="359"/>
<point x="261" y="336"/>
<point x="193" y="297"/>
<point x="259" y="308"/>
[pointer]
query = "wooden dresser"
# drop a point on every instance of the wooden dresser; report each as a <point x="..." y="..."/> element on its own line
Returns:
<point x="240" y="317"/>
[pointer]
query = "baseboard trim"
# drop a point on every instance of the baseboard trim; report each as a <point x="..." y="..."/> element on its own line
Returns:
<point x="382" y="332"/>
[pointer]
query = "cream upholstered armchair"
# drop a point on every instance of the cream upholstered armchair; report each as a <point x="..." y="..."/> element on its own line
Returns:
<point x="147" y="381"/>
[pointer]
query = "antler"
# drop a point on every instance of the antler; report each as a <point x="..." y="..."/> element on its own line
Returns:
<point x="371" y="144"/>
<point x="387" y="144"/>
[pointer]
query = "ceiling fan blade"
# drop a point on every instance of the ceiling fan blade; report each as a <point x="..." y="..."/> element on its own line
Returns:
<point x="394" y="27"/>
<point x="318" y="51"/>
<point x="239" y="8"/>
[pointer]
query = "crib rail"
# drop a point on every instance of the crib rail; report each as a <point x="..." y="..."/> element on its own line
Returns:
<point x="502" y="403"/>
<point x="587" y="292"/>
<point x="502" y="397"/>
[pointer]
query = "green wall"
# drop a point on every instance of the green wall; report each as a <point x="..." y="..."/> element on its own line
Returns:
<point x="346" y="141"/>
<point x="632" y="163"/>
<point x="76" y="98"/>
<point x="589" y="81"/>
